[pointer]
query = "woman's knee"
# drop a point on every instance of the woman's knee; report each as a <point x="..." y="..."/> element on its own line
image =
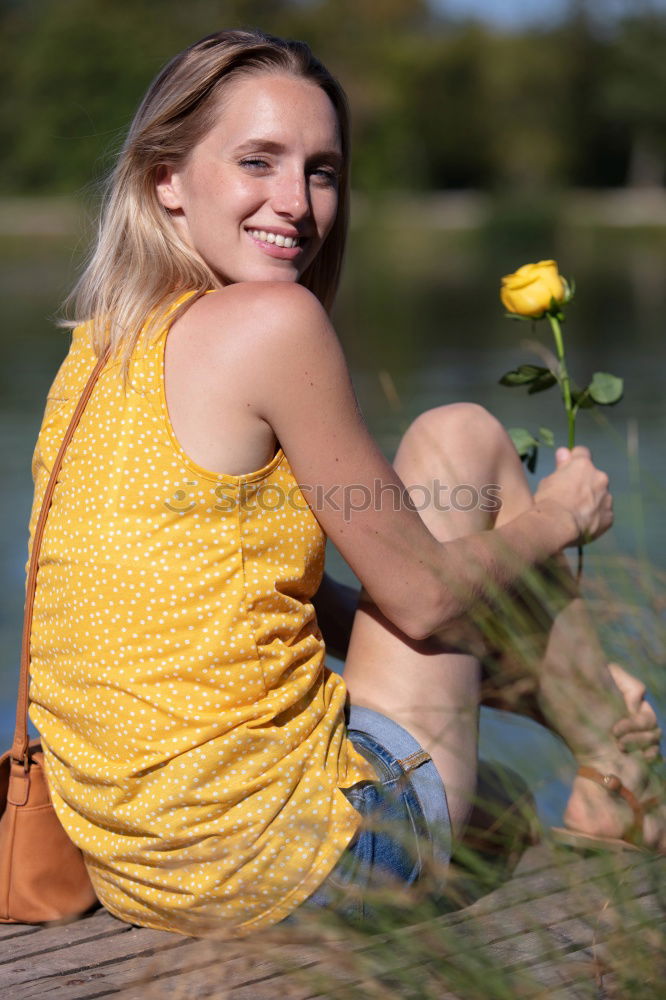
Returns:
<point x="454" y="439"/>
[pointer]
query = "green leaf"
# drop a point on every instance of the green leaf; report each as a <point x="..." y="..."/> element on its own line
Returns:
<point x="582" y="399"/>
<point x="530" y="458"/>
<point x="547" y="437"/>
<point x="527" y="445"/>
<point x="606" y="389"/>
<point x="523" y="319"/>
<point x="542" y="383"/>
<point x="524" y="375"/>
<point x="522" y="439"/>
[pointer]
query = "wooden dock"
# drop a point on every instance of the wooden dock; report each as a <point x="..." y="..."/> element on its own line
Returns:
<point x="561" y="927"/>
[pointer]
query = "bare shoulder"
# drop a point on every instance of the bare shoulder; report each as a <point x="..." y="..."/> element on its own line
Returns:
<point x="266" y="339"/>
<point x="252" y="314"/>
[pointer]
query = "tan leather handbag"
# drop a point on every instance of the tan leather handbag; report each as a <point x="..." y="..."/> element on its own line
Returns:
<point x="42" y="874"/>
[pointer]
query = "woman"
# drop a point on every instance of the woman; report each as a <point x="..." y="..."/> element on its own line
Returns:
<point x="196" y="748"/>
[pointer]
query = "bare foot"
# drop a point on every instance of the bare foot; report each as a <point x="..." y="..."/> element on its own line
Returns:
<point x="594" y="810"/>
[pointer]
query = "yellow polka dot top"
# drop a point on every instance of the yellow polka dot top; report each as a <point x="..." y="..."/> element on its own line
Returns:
<point x="194" y="742"/>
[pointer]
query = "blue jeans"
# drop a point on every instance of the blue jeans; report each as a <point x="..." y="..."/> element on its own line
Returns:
<point x="406" y="829"/>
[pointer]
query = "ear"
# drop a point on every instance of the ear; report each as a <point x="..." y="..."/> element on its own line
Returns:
<point x="167" y="184"/>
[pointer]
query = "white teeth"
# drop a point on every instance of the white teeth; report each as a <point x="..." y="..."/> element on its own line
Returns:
<point x="277" y="238"/>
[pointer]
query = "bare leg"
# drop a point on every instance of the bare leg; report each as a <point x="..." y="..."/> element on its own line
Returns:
<point x="435" y="693"/>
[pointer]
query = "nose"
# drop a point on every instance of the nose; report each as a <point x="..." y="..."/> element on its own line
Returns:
<point x="291" y="198"/>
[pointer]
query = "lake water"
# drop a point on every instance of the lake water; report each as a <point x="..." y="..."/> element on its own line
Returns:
<point x="421" y="324"/>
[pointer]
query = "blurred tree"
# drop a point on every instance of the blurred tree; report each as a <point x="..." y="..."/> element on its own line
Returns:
<point x="373" y="47"/>
<point x="595" y="145"/>
<point x="526" y="79"/>
<point x="632" y="94"/>
<point x="74" y="71"/>
<point x="446" y="104"/>
<point x="436" y="104"/>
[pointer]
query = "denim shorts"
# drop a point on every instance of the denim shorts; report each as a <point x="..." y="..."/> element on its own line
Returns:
<point x="405" y="835"/>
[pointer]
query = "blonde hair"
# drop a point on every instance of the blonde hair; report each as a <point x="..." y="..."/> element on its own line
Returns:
<point x="140" y="265"/>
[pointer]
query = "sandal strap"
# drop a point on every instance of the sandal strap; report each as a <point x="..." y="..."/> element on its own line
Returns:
<point x="613" y="784"/>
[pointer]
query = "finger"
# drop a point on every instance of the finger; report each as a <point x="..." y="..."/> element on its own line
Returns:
<point x="631" y="689"/>
<point x="652" y="754"/>
<point x="644" y="718"/>
<point x="635" y="724"/>
<point x="580" y="451"/>
<point x="562" y="455"/>
<point x="640" y="741"/>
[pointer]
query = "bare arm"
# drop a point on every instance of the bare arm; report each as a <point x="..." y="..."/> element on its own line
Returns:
<point x="294" y="374"/>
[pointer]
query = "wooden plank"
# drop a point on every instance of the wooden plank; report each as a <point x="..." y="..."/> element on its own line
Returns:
<point x="532" y="947"/>
<point x="134" y="943"/>
<point x="9" y="931"/>
<point x="548" y="872"/>
<point x="594" y="971"/>
<point x="301" y="983"/>
<point x="100" y="956"/>
<point x="194" y="971"/>
<point x="574" y="976"/>
<point x="521" y="977"/>
<point x="149" y="966"/>
<point x="540" y="898"/>
<point x="94" y="928"/>
<point x="515" y="947"/>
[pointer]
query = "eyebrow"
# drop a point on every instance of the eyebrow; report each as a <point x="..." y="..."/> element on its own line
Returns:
<point x="270" y="146"/>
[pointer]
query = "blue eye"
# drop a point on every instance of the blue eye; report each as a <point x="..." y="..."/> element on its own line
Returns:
<point x="326" y="175"/>
<point x="254" y="162"/>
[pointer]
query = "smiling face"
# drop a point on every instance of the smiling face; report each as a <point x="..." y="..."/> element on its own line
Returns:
<point x="258" y="195"/>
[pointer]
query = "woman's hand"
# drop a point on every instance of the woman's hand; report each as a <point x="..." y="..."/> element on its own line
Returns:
<point x="581" y="489"/>
<point x="638" y="730"/>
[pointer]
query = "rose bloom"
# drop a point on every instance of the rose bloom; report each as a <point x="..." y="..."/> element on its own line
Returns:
<point x="529" y="291"/>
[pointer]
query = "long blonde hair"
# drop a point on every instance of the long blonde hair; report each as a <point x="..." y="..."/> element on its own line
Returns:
<point x="140" y="265"/>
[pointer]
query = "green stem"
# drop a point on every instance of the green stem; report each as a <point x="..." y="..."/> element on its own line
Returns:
<point x="565" y="382"/>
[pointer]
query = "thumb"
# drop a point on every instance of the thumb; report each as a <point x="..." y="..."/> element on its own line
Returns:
<point x="631" y="689"/>
<point x="562" y="455"/>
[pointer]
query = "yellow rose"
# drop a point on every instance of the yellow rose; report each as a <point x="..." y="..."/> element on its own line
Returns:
<point x="530" y="290"/>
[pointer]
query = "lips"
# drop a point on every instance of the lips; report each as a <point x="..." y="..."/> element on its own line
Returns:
<point x="275" y="237"/>
<point x="280" y="244"/>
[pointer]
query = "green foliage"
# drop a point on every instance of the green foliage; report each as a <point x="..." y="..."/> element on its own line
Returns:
<point x="536" y="378"/>
<point x="631" y="93"/>
<point x="436" y="104"/>
<point x="605" y="389"/>
<point x="527" y="444"/>
<point x="76" y="70"/>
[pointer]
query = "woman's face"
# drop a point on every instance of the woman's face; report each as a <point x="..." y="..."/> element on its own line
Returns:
<point x="257" y="196"/>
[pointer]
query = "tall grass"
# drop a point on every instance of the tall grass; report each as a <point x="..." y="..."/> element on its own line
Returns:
<point x="568" y="928"/>
<point x="515" y="920"/>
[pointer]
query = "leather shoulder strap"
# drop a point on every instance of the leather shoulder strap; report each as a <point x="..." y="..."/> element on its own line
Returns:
<point x="20" y="745"/>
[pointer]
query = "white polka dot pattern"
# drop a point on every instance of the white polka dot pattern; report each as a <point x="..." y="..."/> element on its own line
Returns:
<point x="195" y="743"/>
